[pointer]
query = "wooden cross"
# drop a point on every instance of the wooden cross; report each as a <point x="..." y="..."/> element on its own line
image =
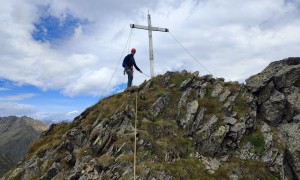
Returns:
<point x="150" y="29"/>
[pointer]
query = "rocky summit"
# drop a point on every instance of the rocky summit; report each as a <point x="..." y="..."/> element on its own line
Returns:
<point x="188" y="127"/>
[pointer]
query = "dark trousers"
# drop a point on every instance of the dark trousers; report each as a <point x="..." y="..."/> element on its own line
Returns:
<point x="130" y="76"/>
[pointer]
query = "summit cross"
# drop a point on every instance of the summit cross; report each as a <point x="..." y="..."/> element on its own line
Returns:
<point x="150" y="29"/>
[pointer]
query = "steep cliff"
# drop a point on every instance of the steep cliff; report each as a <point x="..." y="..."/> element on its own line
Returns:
<point x="188" y="127"/>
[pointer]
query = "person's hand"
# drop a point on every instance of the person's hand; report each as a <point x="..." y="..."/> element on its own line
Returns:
<point x="141" y="71"/>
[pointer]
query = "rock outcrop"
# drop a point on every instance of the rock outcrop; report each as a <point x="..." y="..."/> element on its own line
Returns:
<point x="277" y="89"/>
<point x="188" y="127"/>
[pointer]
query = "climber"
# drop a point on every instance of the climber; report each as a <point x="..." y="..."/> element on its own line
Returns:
<point x="128" y="64"/>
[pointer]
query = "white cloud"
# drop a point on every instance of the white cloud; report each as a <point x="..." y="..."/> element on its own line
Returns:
<point x="220" y="34"/>
<point x="72" y="113"/>
<point x="93" y="82"/>
<point x="19" y="109"/>
<point x="15" y="109"/>
<point x="55" y="117"/>
<point x="17" y="97"/>
<point x="4" y="89"/>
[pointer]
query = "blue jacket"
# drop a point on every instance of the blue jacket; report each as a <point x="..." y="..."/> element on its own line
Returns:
<point x="129" y="62"/>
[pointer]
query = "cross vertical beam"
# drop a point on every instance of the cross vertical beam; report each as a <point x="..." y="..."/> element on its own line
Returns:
<point x="151" y="55"/>
<point x="150" y="29"/>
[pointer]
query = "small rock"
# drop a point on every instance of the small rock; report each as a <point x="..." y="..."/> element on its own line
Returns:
<point x="208" y="78"/>
<point x="166" y="80"/>
<point x="220" y="79"/>
<point x="296" y="118"/>
<point x="172" y="85"/>
<point x="234" y="177"/>
<point x="230" y="120"/>
<point x="266" y="131"/>
<point x="142" y="95"/>
<point x="224" y="95"/>
<point x="210" y="171"/>
<point x="184" y="72"/>
<point x="53" y="171"/>
<point x="149" y="85"/>
<point x="196" y="73"/>
<point x="190" y="114"/>
<point x="186" y="83"/>
<point x="217" y="90"/>
<point x="237" y="127"/>
<point x="202" y="92"/>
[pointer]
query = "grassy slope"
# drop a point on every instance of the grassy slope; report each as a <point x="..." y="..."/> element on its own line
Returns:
<point x="163" y="136"/>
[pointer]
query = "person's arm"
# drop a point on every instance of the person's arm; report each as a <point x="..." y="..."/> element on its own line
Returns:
<point x="137" y="68"/>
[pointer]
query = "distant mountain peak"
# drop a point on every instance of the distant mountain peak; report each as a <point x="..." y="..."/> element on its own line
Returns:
<point x="16" y="134"/>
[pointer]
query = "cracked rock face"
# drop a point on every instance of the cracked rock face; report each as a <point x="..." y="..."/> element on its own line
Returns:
<point x="183" y="119"/>
<point x="283" y="73"/>
<point x="277" y="88"/>
<point x="292" y="133"/>
<point x="273" y="109"/>
<point x="159" y="105"/>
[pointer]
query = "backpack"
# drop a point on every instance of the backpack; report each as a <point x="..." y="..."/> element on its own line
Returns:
<point x="124" y="64"/>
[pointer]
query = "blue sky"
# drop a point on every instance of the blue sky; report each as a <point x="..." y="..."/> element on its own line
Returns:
<point x="48" y="105"/>
<point x="51" y="29"/>
<point x="45" y="105"/>
<point x="58" y="57"/>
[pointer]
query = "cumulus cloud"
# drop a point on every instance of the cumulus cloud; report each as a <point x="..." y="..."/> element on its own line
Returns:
<point x="92" y="82"/>
<point x="17" y="97"/>
<point x="55" y="117"/>
<point x="20" y="109"/>
<point x="233" y="39"/>
<point x="15" y="109"/>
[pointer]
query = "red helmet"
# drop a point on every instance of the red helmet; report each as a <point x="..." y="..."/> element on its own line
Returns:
<point x="133" y="50"/>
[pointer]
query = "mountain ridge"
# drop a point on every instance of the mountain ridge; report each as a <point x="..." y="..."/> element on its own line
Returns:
<point x="16" y="134"/>
<point x="188" y="127"/>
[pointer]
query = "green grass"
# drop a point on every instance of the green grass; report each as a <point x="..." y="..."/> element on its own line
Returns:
<point x="256" y="139"/>
<point x="83" y="151"/>
<point x="42" y="171"/>
<point x="188" y="168"/>
<point x="105" y="160"/>
<point x="212" y="105"/>
<point x="106" y="107"/>
<point x="50" y="141"/>
<point x="209" y="92"/>
<point x="160" y="94"/>
<point x="160" y="128"/>
<point x="240" y="106"/>
<point x="233" y="87"/>
<point x="165" y="136"/>
<point x="177" y="78"/>
<point x="258" y="142"/>
<point x="244" y="169"/>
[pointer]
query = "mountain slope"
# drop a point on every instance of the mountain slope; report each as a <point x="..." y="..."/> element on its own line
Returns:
<point x="5" y="164"/>
<point x="188" y="127"/>
<point x="16" y="134"/>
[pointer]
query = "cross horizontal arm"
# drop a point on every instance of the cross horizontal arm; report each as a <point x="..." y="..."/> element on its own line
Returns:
<point x="147" y="28"/>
